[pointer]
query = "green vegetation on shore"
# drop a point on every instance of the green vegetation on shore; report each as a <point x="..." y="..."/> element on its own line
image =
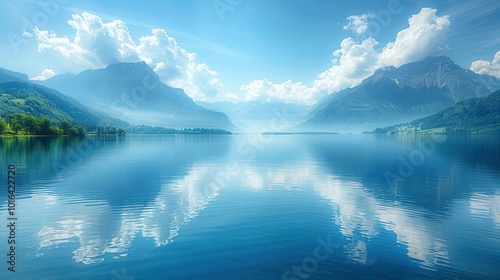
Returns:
<point x="143" y="129"/>
<point x="477" y="115"/>
<point x="110" y="130"/>
<point x="23" y="124"/>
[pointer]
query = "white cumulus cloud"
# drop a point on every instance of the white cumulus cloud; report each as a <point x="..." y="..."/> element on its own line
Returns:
<point x="178" y="67"/>
<point x="352" y="63"/>
<point x="287" y="92"/>
<point x="425" y="36"/>
<point x="46" y="74"/>
<point x="487" y="67"/>
<point x="356" y="60"/>
<point x="230" y="96"/>
<point x="97" y="44"/>
<point x="359" y="23"/>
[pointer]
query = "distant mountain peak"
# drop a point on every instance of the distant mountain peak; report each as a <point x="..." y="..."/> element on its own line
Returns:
<point x="134" y="70"/>
<point x="439" y="58"/>
<point x="133" y="92"/>
<point x="393" y="95"/>
<point x="443" y="61"/>
<point x="429" y="65"/>
<point x="120" y="68"/>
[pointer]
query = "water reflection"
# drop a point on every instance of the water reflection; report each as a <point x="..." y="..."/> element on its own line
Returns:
<point x="359" y="214"/>
<point x="486" y="206"/>
<point x="147" y="190"/>
<point x="99" y="229"/>
<point x="423" y="215"/>
<point x="112" y="193"/>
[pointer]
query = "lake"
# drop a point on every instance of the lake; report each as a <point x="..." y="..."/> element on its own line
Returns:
<point x="253" y="207"/>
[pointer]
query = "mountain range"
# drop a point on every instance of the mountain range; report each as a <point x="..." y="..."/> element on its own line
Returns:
<point x="134" y="93"/>
<point x="395" y="95"/>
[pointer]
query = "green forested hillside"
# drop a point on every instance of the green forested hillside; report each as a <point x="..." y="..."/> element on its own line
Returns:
<point x="479" y="114"/>
<point x="475" y="115"/>
<point x="18" y="97"/>
<point x="28" y="98"/>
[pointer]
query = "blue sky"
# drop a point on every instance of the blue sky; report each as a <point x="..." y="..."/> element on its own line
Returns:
<point x="294" y="51"/>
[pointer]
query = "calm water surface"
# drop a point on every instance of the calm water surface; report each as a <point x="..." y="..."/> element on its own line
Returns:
<point x="253" y="207"/>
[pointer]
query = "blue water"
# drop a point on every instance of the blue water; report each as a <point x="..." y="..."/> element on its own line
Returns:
<point x="253" y="207"/>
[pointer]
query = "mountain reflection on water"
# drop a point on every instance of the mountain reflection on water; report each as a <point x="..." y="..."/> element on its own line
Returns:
<point x="162" y="199"/>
